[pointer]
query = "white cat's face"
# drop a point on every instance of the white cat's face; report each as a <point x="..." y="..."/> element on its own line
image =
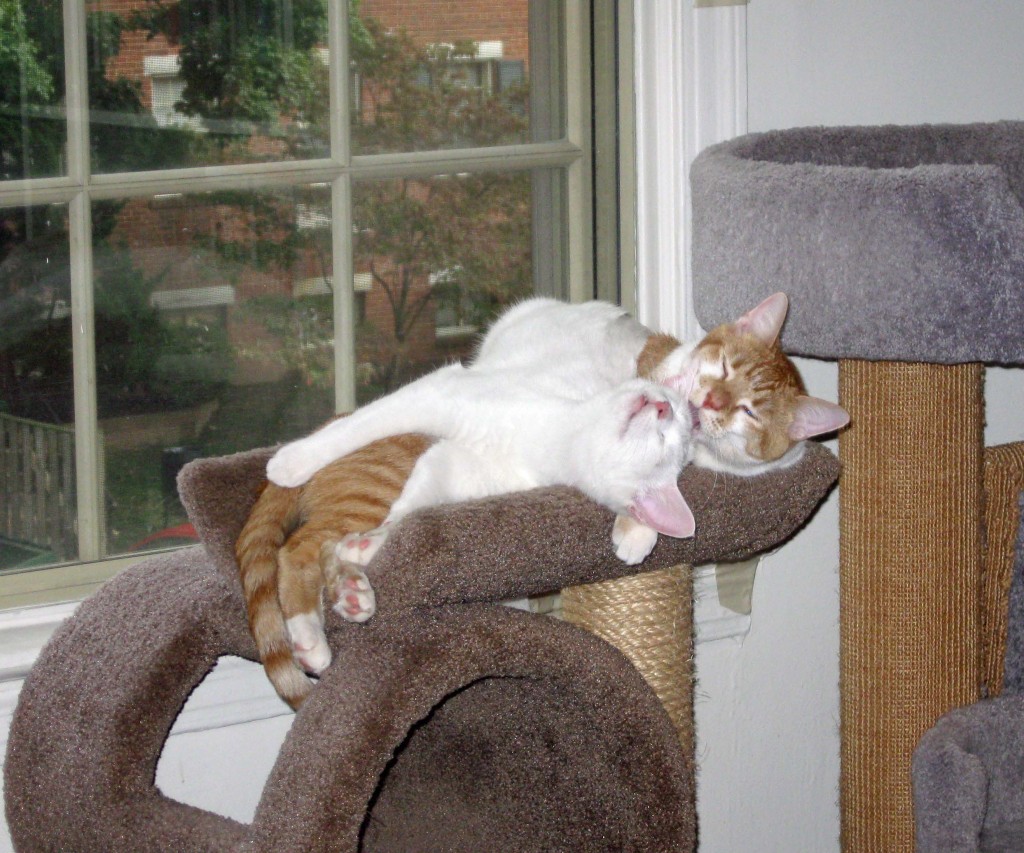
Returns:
<point x="632" y="451"/>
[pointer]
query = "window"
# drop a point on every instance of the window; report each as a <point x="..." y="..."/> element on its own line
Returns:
<point x="223" y="220"/>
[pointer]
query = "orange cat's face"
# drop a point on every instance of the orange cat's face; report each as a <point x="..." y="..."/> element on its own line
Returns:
<point x="745" y="395"/>
<point x="750" y="414"/>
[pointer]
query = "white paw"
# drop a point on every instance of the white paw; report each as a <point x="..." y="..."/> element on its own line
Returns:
<point x="292" y="465"/>
<point x="309" y="645"/>
<point x="352" y="595"/>
<point x="360" y="548"/>
<point x="633" y="541"/>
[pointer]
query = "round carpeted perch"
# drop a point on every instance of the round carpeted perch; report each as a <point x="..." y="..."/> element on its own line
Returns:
<point x="901" y="249"/>
<point x="441" y="724"/>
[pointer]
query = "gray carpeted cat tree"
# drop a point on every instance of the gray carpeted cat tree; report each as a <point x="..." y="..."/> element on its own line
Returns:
<point x="443" y="724"/>
<point x="902" y="251"/>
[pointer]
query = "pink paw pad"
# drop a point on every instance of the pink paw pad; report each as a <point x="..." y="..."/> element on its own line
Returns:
<point x="353" y="596"/>
<point x="360" y="548"/>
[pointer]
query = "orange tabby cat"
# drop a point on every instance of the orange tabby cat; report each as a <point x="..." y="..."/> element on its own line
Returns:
<point x="286" y="556"/>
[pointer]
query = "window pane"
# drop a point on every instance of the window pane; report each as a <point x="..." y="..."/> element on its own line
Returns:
<point x="434" y="261"/>
<point x="448" y="75"/>
<point x="213" y="335"/>
<point x="201" y="82"/>
<point x="37" y="437"/>
<point x="32" y="125"/>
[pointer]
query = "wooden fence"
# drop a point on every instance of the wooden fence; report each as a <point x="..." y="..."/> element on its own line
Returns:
<point x="37" y="485"/>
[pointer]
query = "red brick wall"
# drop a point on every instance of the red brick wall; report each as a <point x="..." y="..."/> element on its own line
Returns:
<point x="432" y="21"/>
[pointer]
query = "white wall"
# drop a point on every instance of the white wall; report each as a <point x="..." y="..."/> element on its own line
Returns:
<point x="767" y="710"/>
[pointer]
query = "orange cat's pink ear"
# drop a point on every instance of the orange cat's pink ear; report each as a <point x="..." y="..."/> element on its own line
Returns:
<point x="664" y="509"/>
<point x="765" y="321"/>
<point x="815" y="417"/>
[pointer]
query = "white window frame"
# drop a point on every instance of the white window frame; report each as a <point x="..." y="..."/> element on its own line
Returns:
<point x="691" y="91"/>
<point x="569" y="156"/>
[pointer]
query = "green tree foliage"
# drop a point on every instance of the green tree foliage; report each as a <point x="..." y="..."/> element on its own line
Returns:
<point x="250" y="67"/>
<point x="27" y="143"/>
<point x="257" y="67"/>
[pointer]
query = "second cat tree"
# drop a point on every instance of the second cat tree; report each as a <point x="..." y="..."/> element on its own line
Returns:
<point x="902" y="250"/>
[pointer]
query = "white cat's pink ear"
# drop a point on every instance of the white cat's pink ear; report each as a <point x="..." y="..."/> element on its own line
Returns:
<point x="682" y="383"/>
<point x="665" y="510"/>
<point x="765" y="321"/>
<point x="815" y="417"/>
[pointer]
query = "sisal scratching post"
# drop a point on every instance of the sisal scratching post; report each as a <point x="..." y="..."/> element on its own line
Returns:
<point x="910" y="571"/>
<point x="649" y="618"/>
<point x="1004" y="482"/>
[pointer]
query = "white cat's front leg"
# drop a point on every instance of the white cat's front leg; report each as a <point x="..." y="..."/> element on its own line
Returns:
<point x="412" y="408"/>
<point x="297" y="461"/>
<point x="633" y="541"/>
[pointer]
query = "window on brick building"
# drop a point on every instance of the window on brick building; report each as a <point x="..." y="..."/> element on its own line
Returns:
<point x="221" y="221"/>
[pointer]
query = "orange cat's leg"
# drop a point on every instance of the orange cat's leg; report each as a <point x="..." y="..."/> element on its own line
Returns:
<point x="358" y="549"/>
<point x="348" y="588"/>
<point x="300" y="588"/>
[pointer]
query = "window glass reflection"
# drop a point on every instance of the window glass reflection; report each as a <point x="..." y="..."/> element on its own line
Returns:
<point x="32" y="124"/>
<point x="435" y="260"/>
<point x="37" y="435"/>
<point x="214" y="334"/>
<point x="196" y="83"/>
<point x="440" y="75"/>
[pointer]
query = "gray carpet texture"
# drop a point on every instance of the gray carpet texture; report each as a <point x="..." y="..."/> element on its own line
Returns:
<point x="894" y="243"/>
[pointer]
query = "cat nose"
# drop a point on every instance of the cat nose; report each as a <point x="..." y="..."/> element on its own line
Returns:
<point x="663" y="409"/>
<point x="713" y="401"/>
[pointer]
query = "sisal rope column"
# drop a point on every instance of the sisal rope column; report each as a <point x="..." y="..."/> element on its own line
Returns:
<point x="910" y="569"/>
<point x="649" y="618"/>
<point x="1004" y="481"/>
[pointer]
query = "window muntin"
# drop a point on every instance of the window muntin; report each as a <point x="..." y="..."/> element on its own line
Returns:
<point x="256" y="266"/>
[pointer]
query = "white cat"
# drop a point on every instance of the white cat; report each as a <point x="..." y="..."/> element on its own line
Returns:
<point x="550" y="347"/>
<point x="624" y="447"/>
